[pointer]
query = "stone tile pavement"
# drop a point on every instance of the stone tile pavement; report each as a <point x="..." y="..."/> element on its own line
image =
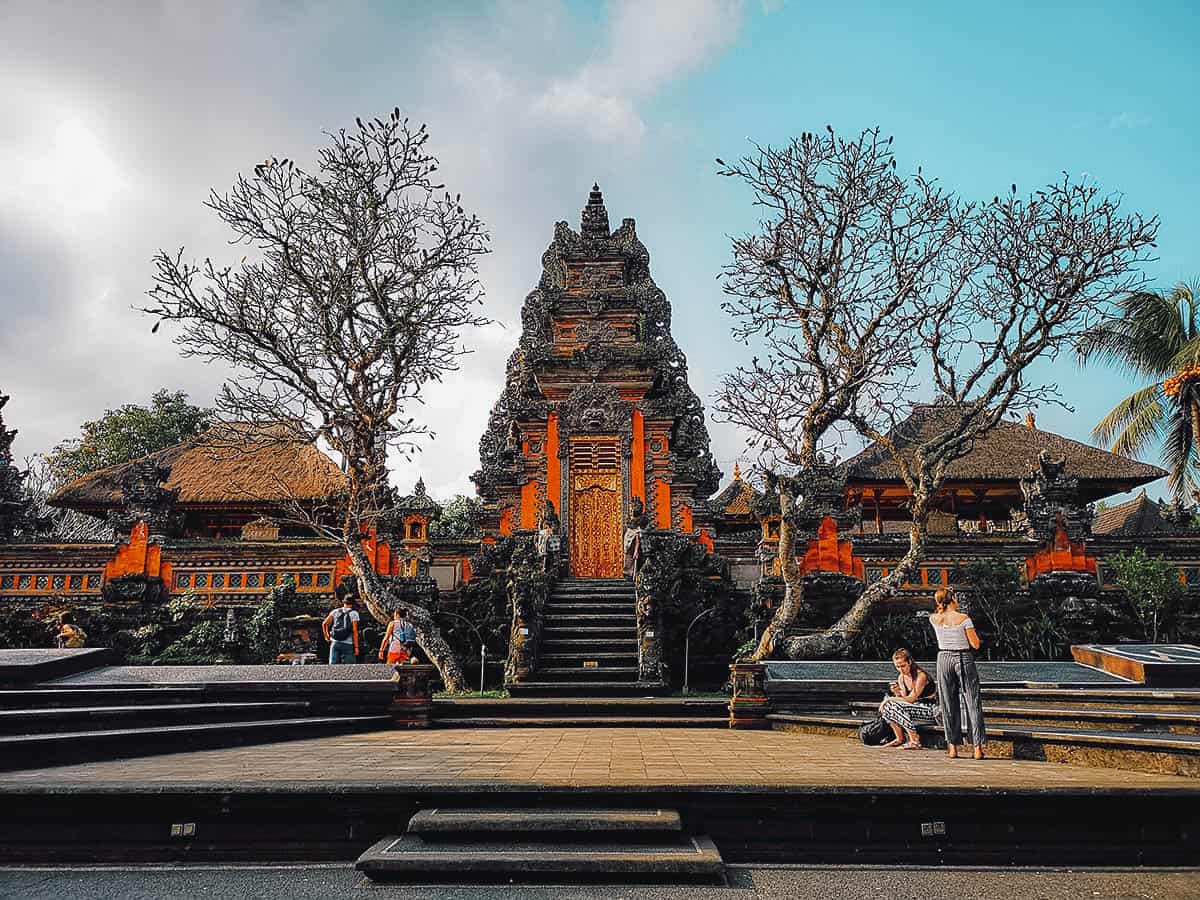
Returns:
<point x="595" y="758"/>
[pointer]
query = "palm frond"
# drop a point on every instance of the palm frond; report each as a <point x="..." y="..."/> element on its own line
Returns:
<point x="1177" y="457"/>
<point x="1134" y="423"/>
<point x="1143" y="337"/>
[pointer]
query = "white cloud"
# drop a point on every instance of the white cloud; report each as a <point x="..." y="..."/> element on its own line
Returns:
<point x="1129" y="120"/>
<point x="649" y="45"/>
<point x="115" y="122"/>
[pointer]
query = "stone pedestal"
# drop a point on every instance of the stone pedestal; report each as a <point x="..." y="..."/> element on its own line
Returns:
<point x="412" y="703"/>
<point x="748" y="706"/>
<point x="301" y="638"/>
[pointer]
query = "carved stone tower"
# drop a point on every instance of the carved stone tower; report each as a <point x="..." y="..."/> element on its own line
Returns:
<point x="596" y="410"/>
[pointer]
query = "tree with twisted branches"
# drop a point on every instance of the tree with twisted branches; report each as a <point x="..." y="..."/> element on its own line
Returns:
<point x="886" y="305"/>
<point x="828" y="292"/>
<point x="360" y="279"/>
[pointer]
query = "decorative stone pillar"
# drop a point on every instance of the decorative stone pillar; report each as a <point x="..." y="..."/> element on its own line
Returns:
<point x="412" y="704"/>
<point x="1060" y="568"/>
<point x="748" y="706"/>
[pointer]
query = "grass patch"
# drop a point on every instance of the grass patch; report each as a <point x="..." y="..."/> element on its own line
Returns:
<point x="499" y="694"/>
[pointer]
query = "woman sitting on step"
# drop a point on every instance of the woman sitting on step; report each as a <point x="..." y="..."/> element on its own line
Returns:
<point x="913" y="702"/>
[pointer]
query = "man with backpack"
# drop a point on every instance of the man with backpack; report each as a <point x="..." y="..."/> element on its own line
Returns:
<point x="341" y="630"/>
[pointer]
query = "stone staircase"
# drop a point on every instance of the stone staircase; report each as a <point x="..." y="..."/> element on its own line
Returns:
<point x="588" y="643"/>
<point x="84" y="724"/>
<point x="563" y="845"/>
<point x="1129" y="728"/>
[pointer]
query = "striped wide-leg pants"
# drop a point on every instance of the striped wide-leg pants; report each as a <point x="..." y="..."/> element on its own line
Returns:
<point x="958" y="693"/>
<point x="909" y="716"/>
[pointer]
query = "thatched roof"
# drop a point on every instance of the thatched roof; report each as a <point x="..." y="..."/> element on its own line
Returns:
<point x="1139" y="516"/>
<point x="225" y="466"/>
<point x="1006" y="453"/>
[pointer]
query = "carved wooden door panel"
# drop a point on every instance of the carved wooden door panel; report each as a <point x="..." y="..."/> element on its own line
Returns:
<point x="595" y="505"/>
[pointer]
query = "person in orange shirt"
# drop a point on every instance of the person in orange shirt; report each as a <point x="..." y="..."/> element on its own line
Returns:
<point x="399" y="638"/>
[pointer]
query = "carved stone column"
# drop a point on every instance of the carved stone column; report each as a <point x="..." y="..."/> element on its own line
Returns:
<point x="749" y="705"/>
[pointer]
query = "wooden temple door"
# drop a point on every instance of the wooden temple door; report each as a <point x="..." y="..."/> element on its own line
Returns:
<point x="595" y="508"/>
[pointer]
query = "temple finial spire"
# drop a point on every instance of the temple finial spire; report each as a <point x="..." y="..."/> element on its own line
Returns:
<point x="594" y="222"/>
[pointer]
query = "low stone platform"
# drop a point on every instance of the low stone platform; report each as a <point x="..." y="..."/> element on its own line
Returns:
<point x="29" y="666"/>
<point x="1046" y="673"/>
<point x="762" y="796"/>
<point x="111" y="675"/>
<point x="1154" y="665"/>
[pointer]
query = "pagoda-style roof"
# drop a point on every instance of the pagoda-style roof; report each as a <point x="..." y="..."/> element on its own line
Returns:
<point x="736" y="499"/>
<point x="1133" y="518"/>
<point x="226" y="466"/>
<point x="1005" y="454"/>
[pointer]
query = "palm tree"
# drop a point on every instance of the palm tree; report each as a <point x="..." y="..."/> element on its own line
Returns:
<point x="1157" y="338"/>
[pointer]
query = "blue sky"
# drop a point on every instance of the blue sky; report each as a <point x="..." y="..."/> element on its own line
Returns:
<point x="114" y="123"/>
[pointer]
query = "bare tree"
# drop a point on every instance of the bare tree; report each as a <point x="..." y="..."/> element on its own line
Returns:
<point x="69" y="525"/>
<point x="830" y="291"/>
<point x="1032" y="276"/>
<point x="363" y="279"/>
<point x="982" y="292"/>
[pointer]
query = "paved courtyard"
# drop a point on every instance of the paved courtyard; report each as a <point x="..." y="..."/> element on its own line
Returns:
<point x="600" y="758"/>
<point x="745" y="883"/>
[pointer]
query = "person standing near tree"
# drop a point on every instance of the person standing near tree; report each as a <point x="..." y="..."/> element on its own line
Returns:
<point x="957" y="678"/>
<point x="341" y="630"/>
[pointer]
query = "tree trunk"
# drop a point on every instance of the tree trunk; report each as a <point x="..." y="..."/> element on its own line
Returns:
<point x="1195" y="454"/>
<point x="835" y="639"/>
<point x="793" y="582"/>
<point x="429" y="637"/>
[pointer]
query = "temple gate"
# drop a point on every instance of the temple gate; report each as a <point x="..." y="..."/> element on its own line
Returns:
<point x="596" y="410"/>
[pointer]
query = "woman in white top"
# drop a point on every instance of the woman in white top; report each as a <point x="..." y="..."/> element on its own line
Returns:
<point x="956" y="674"/>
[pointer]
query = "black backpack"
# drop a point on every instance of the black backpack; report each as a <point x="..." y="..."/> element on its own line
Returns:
<point x="875" y="733"/>
<point x="343" y="628"/>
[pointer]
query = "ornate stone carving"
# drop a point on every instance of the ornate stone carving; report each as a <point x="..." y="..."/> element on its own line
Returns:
<point x="667" y="562"/>
<point x="1052" y="498"/>
<point x="144" y="499"/>
<point x="609" y="273"/>
<point x="527" y="587"/>
<point x="595" y="409"/>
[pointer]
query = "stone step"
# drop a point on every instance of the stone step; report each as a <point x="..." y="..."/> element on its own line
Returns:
<point x="1165" y="754"/>
<point x="591" y="597"/>
<point x="586" y="722"/>
<point x="94" y="718"/>
<point x="546" y="688"/>
<point x="434" y="823"/>
<point x="625" y="620"/>
<point x="16" y="751"/>
<point x="600" y="673"/>
<point x="576" y="660"/>
<point x="597" y="632"/>
<point x="1128" y="698"/>
<point x="589" y="609"/>
<point x="567" y="583"/>
<point x="561" y="708"/>
<point x="585" y="643"/>
<point x="108" y="695"/>
<point x="411" y="857"/>
<point x="1123" y="719"/>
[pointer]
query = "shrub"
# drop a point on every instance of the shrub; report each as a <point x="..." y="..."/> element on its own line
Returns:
<point x="883" y="635"/>
<point x="1153" y="592"/>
